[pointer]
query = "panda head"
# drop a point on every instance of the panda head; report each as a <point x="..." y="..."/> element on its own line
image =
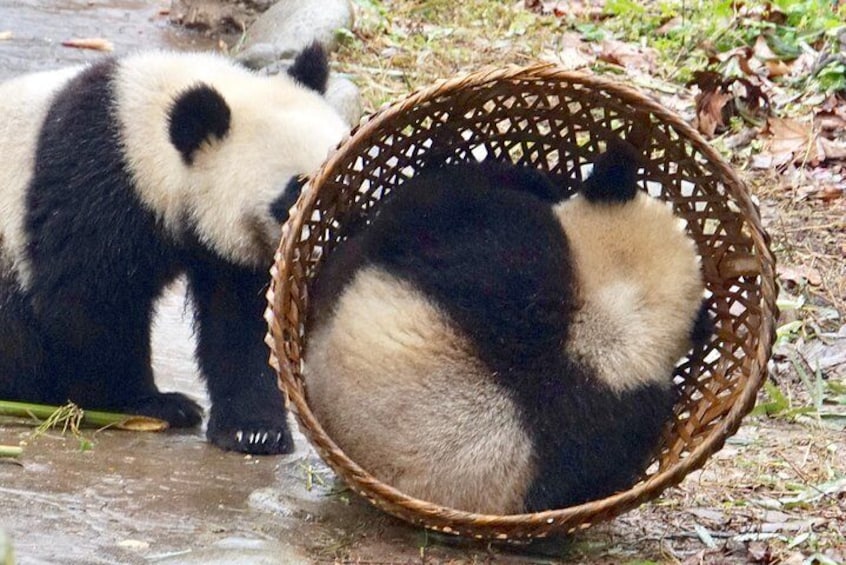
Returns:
<point x="639" y="285"/>
<point x="218" y="152"/>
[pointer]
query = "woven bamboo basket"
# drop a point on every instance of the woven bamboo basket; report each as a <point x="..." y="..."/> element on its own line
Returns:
<point x="556" y="121"/>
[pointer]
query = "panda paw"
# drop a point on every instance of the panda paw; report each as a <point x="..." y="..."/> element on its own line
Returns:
<point x="257" y="438"/>
<point x="176" y="409"/>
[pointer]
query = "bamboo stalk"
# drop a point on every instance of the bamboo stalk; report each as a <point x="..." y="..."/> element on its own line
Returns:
<point x="90" y="418"/>
<point x="10" y="450"/>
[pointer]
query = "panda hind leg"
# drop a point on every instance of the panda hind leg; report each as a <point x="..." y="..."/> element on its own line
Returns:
<point x="21" y="348"/>
<point x="101" y="371"/>
<point x="175" y="408"/>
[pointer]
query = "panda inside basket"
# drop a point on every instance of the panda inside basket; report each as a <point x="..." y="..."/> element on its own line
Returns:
<point x="555" y="125"/>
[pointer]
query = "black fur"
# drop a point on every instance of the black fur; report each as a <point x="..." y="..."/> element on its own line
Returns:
<point x="703" y="327"/>
<point x="230" y="303"/>
<point x="494" y="259"/>
<point x="197" y="115"/>
<point x="614" y="176"/>
<point x="279" y="207"/>
<point x="100" y="259"/>
<point x="497" y="262"/>
<point x="311" y="68"/>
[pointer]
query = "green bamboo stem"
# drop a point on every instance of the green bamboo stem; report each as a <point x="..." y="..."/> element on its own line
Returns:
<point x="10" y="450"/>
<point x="90" y="418"/>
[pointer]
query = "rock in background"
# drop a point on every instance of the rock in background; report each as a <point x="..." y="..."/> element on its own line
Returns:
<point x="273" y="32"/>
<point x="217" y="17"/>
<point x="289" y="25"/>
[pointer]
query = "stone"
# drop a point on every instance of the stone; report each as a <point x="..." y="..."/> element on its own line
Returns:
<point x="216" y="16"/>
<point x="345" y="97"/>
<point x="289" y="25"/>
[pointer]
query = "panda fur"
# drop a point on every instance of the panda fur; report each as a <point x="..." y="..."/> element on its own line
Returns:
<point x="117" y="177"/>
<point x="487" y="347"/>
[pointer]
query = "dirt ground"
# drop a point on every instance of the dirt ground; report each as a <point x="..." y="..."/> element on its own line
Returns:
<point x="775" y="494"/>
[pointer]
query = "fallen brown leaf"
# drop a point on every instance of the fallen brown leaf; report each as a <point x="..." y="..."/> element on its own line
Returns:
<point x="762" y="50"/>
<point x="759" y="552"/>
<point x="710" y="108"/>
<point x="776" y="68"/>
<point x="719" y="99"/>
<point x="799" y="274"/>
<point x="745" y="58"/>
<point x="830" y="123"/>
<point x="797" y="138"/>
<point x="788" y="134"/>
<point x="627" y="55"/>
<point x="832" y="150"/>
<point x="95" y="43"/>
<point x="561" y="9"/>
<point x="830" y="193"/>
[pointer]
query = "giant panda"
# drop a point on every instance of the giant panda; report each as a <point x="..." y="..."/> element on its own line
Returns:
<point x="489" y="345"/>
<point x="119" y="176"/>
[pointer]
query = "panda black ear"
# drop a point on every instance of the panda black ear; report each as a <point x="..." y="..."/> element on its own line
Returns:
<point x="614" y="176"/>
<point x="311" y="68"/>
<point x="197" y="115"/>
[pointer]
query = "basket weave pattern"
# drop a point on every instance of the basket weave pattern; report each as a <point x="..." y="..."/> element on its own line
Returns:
<point x="558" y="122"/>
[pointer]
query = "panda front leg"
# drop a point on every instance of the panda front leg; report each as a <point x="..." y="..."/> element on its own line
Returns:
<point x="247" y="408"/>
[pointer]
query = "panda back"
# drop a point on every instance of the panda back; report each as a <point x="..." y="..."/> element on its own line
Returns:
<point x="24" y="103"/>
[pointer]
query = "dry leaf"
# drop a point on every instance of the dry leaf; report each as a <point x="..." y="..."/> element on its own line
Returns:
<point x="710" y="108"/>
<point x="832" y="150"/>
<point x="672" y="24"/>
<point x="830" y="123"/>
<point x="788" y="135"/>
<point x="777" y="68"/>
<point x="759" y="552"/>
<point x="573" y="53"/>
<point x="719" y="99"/>
<point x="798" y="274"/>
<point x="762" y="50"/>
<point x="561" y="8"/>
<point x="795" y="137"/>
<point x="95" y="43"/>
<point x="830" y="193"/>
<point x="765" y="160"/>
<point x="744" y="57"/>
<point x="626" y="55"/>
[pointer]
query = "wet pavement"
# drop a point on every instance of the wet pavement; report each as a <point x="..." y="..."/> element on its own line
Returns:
<point x="170" y="497"/>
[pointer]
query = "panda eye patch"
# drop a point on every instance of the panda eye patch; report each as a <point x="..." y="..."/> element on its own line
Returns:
<point x="280" y="206"/>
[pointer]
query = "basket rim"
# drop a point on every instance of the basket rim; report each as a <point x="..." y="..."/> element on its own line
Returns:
<point x="609" y="506"/>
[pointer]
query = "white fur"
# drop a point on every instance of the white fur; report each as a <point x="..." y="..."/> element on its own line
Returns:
<point x="400" y="391"/>
<point x="279" y="129"/>
<point x="24" y="102"/>
<point x="639" y="286"/>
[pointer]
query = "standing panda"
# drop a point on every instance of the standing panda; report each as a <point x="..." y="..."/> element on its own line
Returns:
<point x="117" y="177"/>
<point x="487" y="346"/>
